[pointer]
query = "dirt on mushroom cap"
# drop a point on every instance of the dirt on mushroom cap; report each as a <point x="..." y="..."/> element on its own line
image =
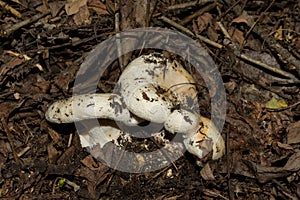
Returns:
<point x="169" y="83"/>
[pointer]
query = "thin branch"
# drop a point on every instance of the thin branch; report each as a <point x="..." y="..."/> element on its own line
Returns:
<point x="261" y="15"/>
<point x="198" y="13"/>
<point x="188" y="4"/>
<point x="292" y="78"/>
<point x="10" y="9"/>
<point x="10" y="139"/>
<point x="187" y="31"/>
<point x="17" y="26"/>
<point x="284" y="54"/>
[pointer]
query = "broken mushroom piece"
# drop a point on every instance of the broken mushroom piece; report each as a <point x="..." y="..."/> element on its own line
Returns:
<point x="106" y="132"/>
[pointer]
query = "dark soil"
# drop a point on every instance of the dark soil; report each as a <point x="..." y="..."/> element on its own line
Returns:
<point x="43" y="44"/>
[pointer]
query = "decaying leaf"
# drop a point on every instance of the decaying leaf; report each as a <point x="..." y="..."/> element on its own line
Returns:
<point x="202" y="22"/>
<point x="275" y="103"/>
<point x="82" y="17"/>
<point x="265" y="173"/>
<point x="293" y="136"/>
<point x="73" y="6"/>
<point x="98" y="7"/>
<point x="207" y="173"/>
<point x="240" y="19"/>
<point x="237" y="35"/>
<point x="279" y="34"/>
<point x="55" y="7"/>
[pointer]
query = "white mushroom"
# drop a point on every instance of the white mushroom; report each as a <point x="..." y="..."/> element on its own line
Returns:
<point x="206" y="139"/>
<point x="107" y="132"/>
<point x="89" y="106"/>
<point x="152" y="84"/>
<point x="182" y="121"/>
<point x="151" y="88"/>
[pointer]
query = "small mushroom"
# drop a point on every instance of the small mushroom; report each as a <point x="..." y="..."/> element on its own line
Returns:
<point x="151" y="88"/>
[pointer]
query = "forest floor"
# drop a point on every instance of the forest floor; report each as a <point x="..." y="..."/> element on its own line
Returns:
<point x="255" y="46"/>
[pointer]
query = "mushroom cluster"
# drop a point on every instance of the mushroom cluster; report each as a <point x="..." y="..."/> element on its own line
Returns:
<point x="151" y="88"/>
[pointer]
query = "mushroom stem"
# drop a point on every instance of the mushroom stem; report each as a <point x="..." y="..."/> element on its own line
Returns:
<point x="147" y="103"/>
<point x="89" y="106"/>
<point x="182" y="121"/>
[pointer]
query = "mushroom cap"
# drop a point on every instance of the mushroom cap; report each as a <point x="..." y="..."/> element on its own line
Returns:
<point x="206" y="139"/>
<point x="147" y="103"/>
<point x="153" y="82"/>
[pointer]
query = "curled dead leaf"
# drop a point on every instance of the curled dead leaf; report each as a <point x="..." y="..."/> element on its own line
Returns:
<point x="240" y="19"/>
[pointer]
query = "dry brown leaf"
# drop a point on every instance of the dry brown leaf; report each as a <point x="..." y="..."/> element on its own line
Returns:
<point x="74" y="6"/>
<point x="202" y="22"/>
<point x="11" y="64"/>
<point x="284" y="146"/>
<point x="82" y="17"/>
<point x="240" y="19"/>
<point x="57" y="139"/>
<point x="67" y="156"/>
<point x="237" y="35"/>
<point x="212" y="34"/>
<point x="52" y="154"/>
<point x="55" y="7"/>
<point x="207" y="173"/>
<point x="293" y="136"/>
<point x="265" y="173"/>
<point x="92" y="164"/>
<point x="98" y="7"/>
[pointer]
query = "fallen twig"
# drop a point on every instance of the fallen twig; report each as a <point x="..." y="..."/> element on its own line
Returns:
<point x="10" y="9"/>
<point x="188" y="4"/>
<point x="198" y="13"/>
<point x="187" y="31"/>
<point x="284" y="54"/>
<point x="292" y="78"/>
<point x="7" y="32"/>
<point x="259" y="18"/>
<point x="10" y="139"/>
<point x="26" y="58"/>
